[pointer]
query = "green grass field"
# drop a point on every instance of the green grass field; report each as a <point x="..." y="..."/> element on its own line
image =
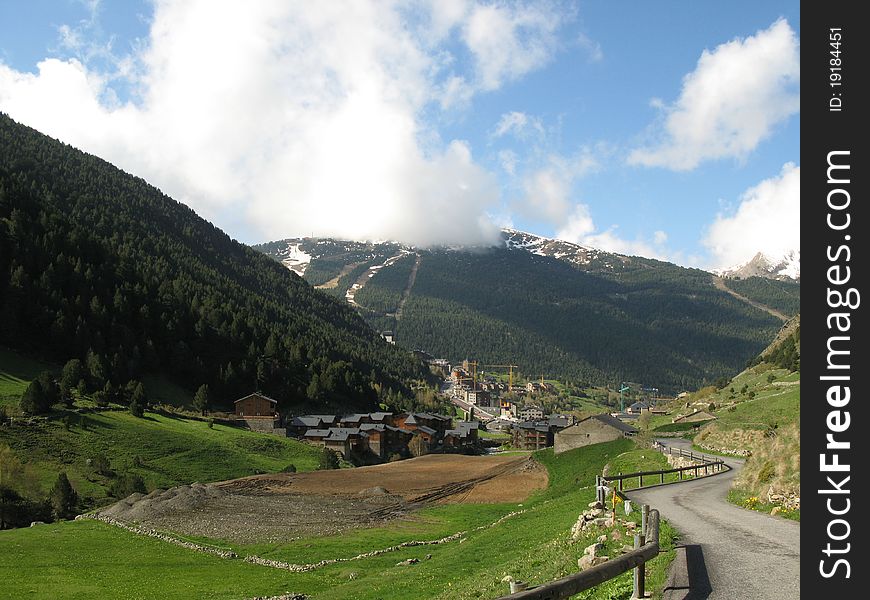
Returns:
<point x="91" y="559"/>
<point x="165" y="451"/>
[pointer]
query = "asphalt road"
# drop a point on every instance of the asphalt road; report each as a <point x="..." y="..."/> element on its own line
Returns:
<point x="732" y="553"/>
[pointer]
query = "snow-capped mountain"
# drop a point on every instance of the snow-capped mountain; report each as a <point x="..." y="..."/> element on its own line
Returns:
<point x="784" y="267"/>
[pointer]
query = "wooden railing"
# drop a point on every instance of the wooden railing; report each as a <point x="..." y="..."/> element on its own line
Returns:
<point x="646" y="543"/>
<point x="577" y="582"/>
<point x="708" y="464"/>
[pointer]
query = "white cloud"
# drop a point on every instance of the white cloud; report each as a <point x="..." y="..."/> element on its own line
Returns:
<point x="548" y="190"/>
<point x="731" y="102"/>
<point x="767" y="221"/>
<point x="510" y="40"/>
<point x="518" y="124"/>
<point x="293" y="119"/>
<point x="593" y="48"/>
<point x="580" y="228"/>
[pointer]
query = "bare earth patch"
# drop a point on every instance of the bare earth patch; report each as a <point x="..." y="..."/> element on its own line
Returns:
<point x="287" y="506"/>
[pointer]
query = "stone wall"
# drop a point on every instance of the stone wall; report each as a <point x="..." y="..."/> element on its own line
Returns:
<point x="585" y="433"/>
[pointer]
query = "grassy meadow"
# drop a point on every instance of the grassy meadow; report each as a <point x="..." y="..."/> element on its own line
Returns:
<point x="534" y="544"/>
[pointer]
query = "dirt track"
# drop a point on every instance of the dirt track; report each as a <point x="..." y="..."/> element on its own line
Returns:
<point x="286" y="506"/>
<point x="436" y="477"/>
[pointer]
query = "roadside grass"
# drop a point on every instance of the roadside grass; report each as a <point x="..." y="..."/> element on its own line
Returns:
<point x="746" y="499"/>
<point x="165" y="451"/>
<point x="92" y="559"/>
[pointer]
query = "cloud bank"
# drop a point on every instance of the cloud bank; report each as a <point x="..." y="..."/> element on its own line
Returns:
<point x="767" y="220"/>
<point x="305" y="118"/>
<point x="730" y="103"/>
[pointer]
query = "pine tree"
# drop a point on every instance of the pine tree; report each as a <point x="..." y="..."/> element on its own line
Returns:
<point x="34" y="401"/>
<point x="201" y="399"/>
<point x="63" y="497"/>
<point x="138" y="401"/>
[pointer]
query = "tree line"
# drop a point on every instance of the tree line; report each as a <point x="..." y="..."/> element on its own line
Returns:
<point x="100" y="267"/>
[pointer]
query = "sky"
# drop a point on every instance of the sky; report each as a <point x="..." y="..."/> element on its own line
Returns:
<point x="666" y="129"/>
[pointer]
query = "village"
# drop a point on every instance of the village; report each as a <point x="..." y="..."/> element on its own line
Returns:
<point x="482" y="404"/>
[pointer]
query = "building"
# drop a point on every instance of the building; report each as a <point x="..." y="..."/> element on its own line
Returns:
<point x="260" y="413"/>
<point x="256" y="405"/>
<point x="592" y="430"/>
<point x="478" y="397"/>
<point x="532" y="435"/>
<point x="638" y="407"/>
<point x="531" y="413"/>
<point x="388" y="337"/>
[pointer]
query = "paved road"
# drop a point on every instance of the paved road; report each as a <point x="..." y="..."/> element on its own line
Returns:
<point x="733" y="553"/>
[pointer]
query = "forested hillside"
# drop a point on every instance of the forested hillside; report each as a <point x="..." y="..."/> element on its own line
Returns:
<point x="98" y="265"/>
<point x="784" y="296"/>
<point x="564" y="311"/>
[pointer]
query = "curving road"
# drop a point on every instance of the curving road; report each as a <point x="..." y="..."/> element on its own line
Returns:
<point x="732" y="553"/>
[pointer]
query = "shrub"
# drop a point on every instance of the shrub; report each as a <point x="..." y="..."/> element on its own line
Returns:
<point x="328" y="460"/>
<point x="291" y="468"/>
<point x="126" y="484"/>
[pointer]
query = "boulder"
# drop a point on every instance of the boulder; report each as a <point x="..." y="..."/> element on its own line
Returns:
<point x="593" y="549"/>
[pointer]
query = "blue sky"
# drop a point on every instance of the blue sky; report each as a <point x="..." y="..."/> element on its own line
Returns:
<point x="665" y="129"/>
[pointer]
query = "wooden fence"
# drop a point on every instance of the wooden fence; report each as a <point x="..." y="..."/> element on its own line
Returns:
<point x="646" y="543"/>
<point x="589" y="578"/>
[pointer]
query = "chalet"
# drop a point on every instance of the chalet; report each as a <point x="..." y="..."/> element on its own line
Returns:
<point x="638" y="407"/>
<point x="592" y="430"/>
<point x="695" y="417"/>
<point x="384" y="440"/>
<point x="299" y="425"/>
<point x="260" y="413"/>
<point x="256" y="405"/>
<point x="343" y="440"/>
<point x="463" y="436"/>
<point x="413" y="421"/>
<point x="354" y="420"/>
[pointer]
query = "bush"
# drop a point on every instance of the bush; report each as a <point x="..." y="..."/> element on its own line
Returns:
<point x="328" y="460"/>
<point x="101" y="465"/>
<point x="126" y="484"/>
<point x="291" y="468"/>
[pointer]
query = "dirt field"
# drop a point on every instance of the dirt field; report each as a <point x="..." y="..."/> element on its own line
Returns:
<point x="287" y="506"/>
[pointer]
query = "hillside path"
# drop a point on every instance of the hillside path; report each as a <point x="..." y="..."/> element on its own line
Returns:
<point x="407" y="291"/>
<point x="732" y="552"/>
<point x="720" y="285"/>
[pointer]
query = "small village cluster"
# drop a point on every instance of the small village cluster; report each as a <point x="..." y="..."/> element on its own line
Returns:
<point x="383" y="434"/>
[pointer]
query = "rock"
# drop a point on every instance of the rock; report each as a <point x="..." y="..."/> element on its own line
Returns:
<point x="626" y="549"/>
<point x="631" y="525"/>
<point x="602" y="538"/>
<point x="409" y="561"/>
<point x="428" y="556"/>
<point x="507" y="579"/>
<point x="595" y="512"/>
<point x="773" y="511"/>
<point x="585" y="561"/>
<point x="593" y="549"/>
<point x="601" y="522"/>
<point x="616" y="535"/>
<point x="35" y="523"/>
<point x="599" y="559"/>
<point x="595" y="504"/>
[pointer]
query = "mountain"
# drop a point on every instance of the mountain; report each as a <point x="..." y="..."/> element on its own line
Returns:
<point x="783" y="268"/>
<point x="98" y="265"/>
<point x="554" y="308"/>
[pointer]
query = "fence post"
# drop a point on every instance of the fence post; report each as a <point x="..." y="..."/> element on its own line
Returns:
<point x="644" y="517"/>
<point x="639" y="571"/>
<point x="663" y="477"/>
<point x="681" y="474"/>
